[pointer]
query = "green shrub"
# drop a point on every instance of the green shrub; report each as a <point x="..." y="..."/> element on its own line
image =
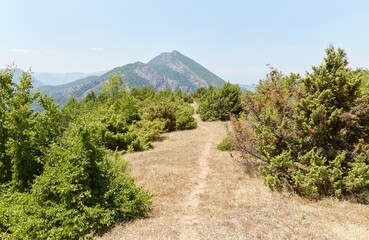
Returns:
<point x="199" y="92"/>
<point x="225" y="145"/>
<point x="184" y="118"/>
<point x="311" y="132"/>
<point x="171" y="109"/>
<point x="163" y="111"/>
<point x="219" y="104"/>
<point x="79" y="193"/>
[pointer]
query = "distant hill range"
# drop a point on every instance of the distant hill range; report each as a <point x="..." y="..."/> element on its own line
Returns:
<point x="62" y="78"/>
<point x="167" y="71"/>
<point x="18" y="74"/>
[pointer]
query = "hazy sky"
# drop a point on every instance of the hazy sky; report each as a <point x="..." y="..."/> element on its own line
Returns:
<point x="234" y="39"/>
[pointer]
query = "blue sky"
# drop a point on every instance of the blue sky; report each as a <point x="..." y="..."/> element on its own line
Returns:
<point x="234" y="39"/>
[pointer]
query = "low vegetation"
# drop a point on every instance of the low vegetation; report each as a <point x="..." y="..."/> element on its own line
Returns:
<point x="225" y="144"/>
<point x="59" y="176"/>
<point x="219" y="103"/>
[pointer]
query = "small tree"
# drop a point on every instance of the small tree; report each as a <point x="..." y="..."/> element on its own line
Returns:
<point x="90" y="97"/>
<point x="20" y="143"/>
<point x="6" y="93"/>
<point x="112" y="88"/>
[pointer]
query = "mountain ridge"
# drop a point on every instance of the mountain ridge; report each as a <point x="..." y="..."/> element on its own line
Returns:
<point x="169" y="70"/>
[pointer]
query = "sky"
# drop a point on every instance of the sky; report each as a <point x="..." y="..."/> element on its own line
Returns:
<point x="235" y="39"/>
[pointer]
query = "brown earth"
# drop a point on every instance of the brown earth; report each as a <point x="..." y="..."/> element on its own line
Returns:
<point x="203" y="193"/>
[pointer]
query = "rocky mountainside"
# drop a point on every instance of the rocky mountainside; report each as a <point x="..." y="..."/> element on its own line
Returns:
<point x="188" y="73"/>
<point x="167" y="71"/>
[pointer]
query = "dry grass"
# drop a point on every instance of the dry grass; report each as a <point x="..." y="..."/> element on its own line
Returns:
<point x="224" y="201"/>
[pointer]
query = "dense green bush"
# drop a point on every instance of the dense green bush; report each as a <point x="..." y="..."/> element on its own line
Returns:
<point x="170" y="108"/>
<point x="199" y="92"/>
<point x="312" y="132"/>
<point x="184" y="119"/>
<point x="219" y="104"/>
<point x="79" y="193"/>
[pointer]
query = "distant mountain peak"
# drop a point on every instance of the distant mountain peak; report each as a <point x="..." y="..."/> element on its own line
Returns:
<point x="169" y="70"/>
<point x="175" y="65"/>
<point x="175" y="52"/>
<point x="167" y="55"/>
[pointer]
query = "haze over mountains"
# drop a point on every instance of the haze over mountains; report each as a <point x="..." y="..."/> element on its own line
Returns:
<point x="19" y="72"/>
<point x="54" y="79"/>
<point x="167" y="71"/>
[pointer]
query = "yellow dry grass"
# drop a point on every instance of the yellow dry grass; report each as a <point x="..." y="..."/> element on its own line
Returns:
<point x="202" y="193"/>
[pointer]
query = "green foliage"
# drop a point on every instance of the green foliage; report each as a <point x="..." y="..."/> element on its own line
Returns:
<point x="6" y="93"/>
<point x="79" y="193"/>
<point x="199" y="92"/>
<point x="163" y="111"/>
<point x="112" y="89"/>
<point x="143" y="93"/>
<point x="25" y="134"/>
<point x="71" y="111"/>
<point x="55" y="179"/>
<point x="184" y="119"/>
<point x="129" y="121"/>
<point x="312" y="132"/>
<point x="170" y="108"/>
<point x="219" y="104"/>
<point x="48" y="127"/>
<point x="90" y="97"/>
<point x="225" y="145"/>
<point x="19" y="123"/>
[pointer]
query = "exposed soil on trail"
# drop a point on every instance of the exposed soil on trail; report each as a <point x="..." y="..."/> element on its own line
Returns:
<point x="203" y="193"/>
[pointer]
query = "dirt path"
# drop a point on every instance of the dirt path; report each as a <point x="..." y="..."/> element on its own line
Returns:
<point x="202" y="193"/>
<point x="193" y="199"/>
